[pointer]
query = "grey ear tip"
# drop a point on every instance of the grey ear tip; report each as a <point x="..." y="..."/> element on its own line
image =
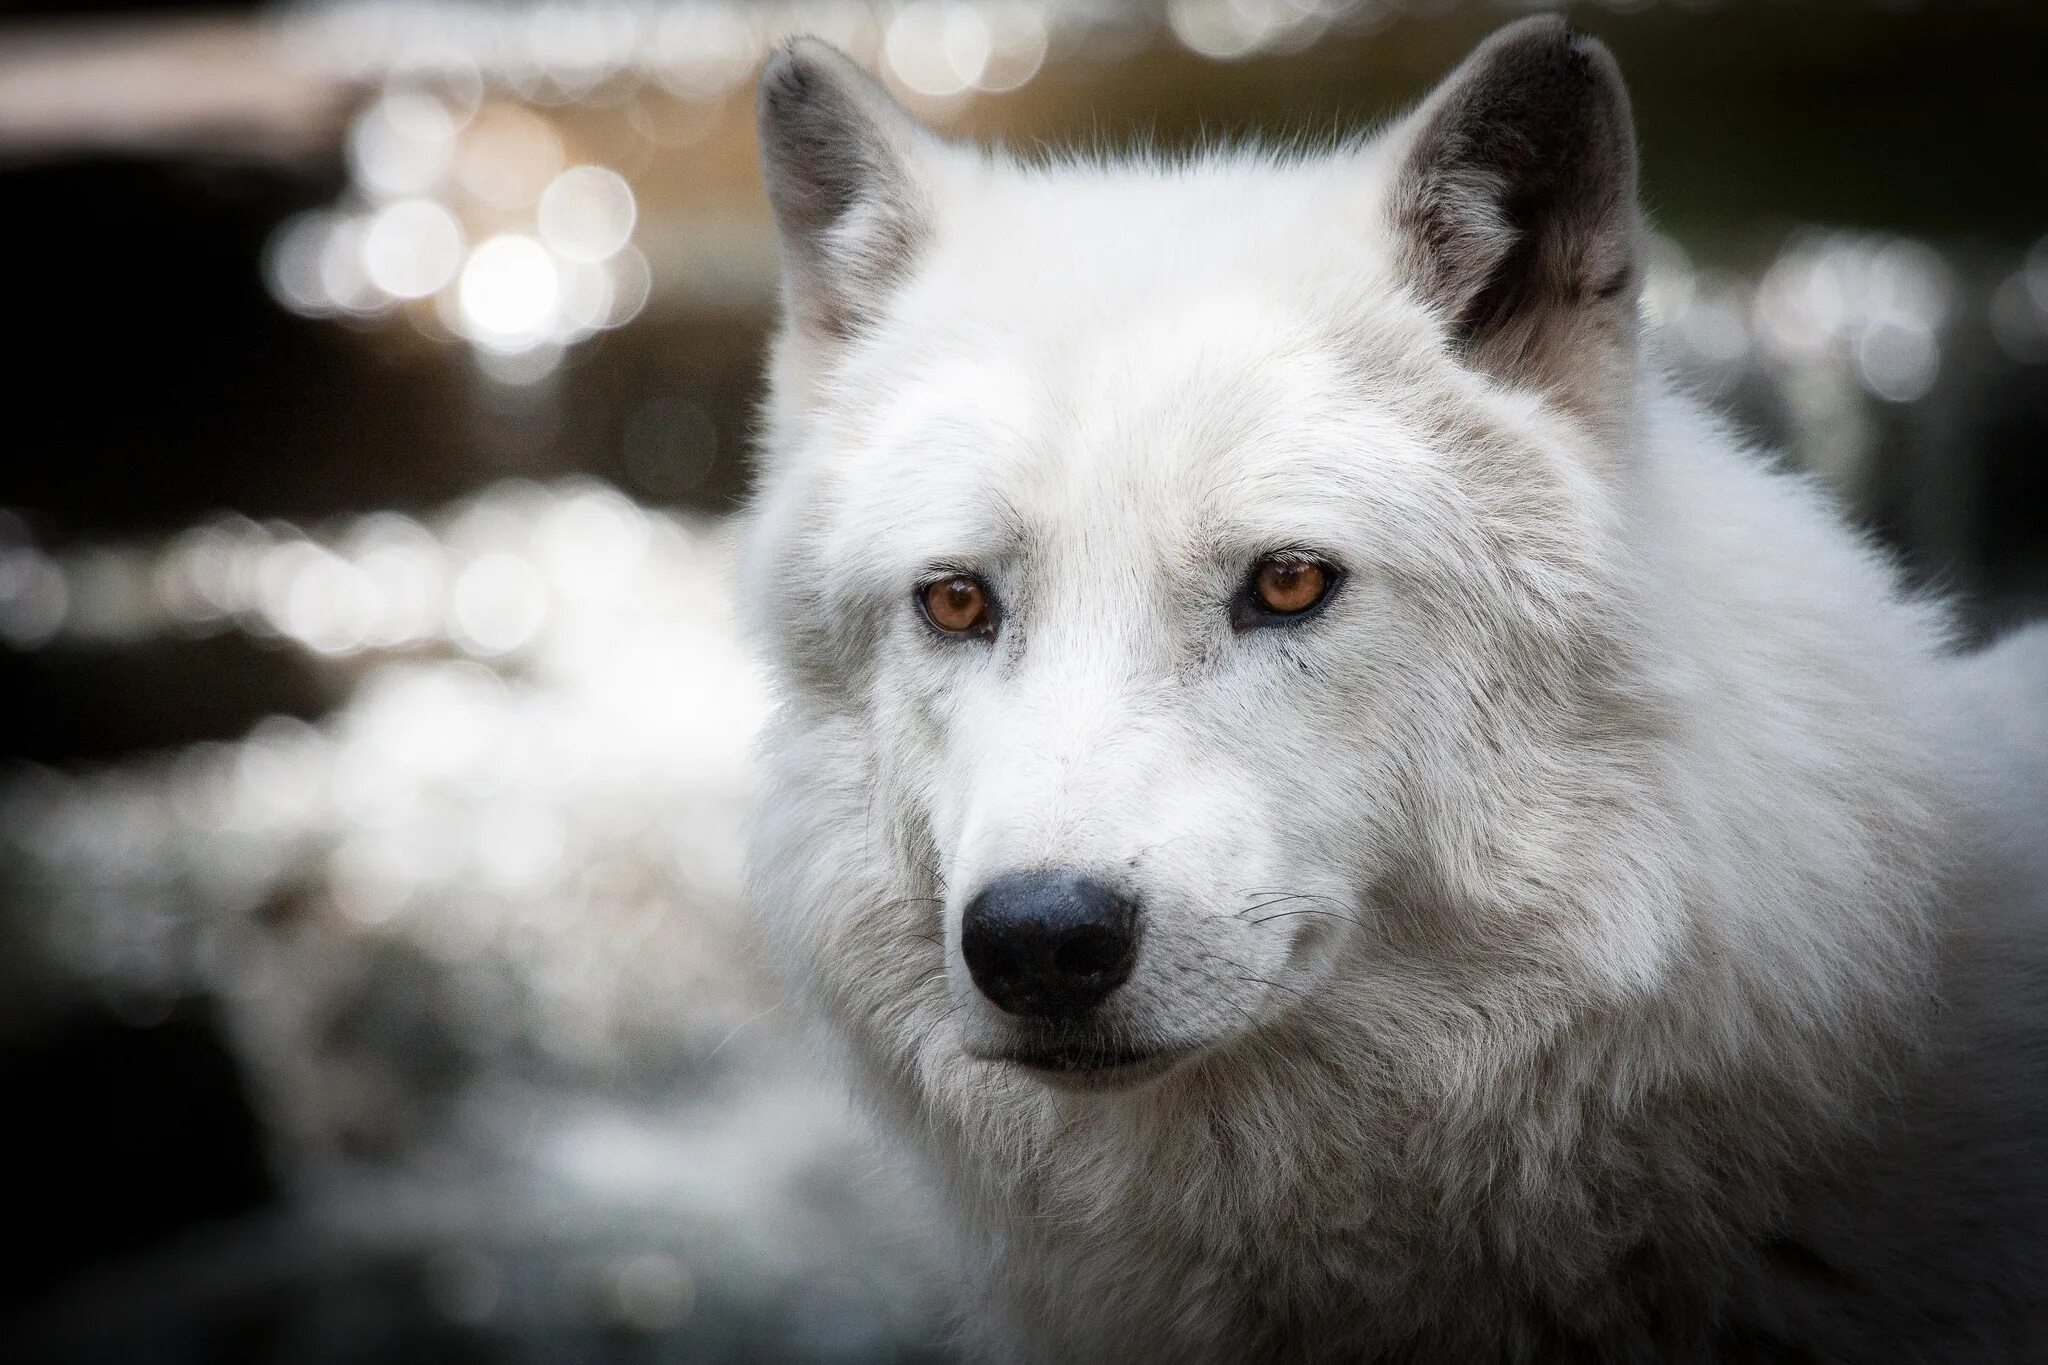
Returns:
<point x="1546" y="52"/>
<point x="794" y="72"/>
<point x="1540" y="30"/>
<point x="786" y="73"/>
<point x="1549" y="23"/>
<point x="1553" y="32"/>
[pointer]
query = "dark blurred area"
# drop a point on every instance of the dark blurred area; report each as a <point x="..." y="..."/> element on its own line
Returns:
<point x="373" y="978"/>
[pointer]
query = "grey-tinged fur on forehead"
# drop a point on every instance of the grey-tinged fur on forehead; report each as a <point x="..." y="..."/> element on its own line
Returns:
<point x="839" y="158"/>
<point x="1517" y="203"/>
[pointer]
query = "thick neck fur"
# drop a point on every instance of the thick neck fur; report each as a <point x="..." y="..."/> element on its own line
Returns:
<point x="1482" y="1152"/>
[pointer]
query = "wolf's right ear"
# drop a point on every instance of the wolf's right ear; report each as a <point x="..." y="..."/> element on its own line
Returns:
<point x="846" y="173"/>
<point x="1515" y="203"/>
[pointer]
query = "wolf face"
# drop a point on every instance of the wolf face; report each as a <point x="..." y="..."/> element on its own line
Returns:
<point x="1211" y="571"/>
<point x="1258" y="647"/>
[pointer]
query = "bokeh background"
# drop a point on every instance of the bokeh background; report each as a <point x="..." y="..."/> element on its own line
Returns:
<point x="378" y="380"/>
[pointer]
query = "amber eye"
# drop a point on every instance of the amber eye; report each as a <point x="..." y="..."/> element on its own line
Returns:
<point x="957" y="605"/>
<point x="1281" y="587"/>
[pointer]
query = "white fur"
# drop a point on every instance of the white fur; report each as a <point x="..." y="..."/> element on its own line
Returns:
<point x="1662" y="980"/>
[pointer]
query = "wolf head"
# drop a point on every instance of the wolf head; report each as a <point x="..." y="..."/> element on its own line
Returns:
<point x="1199" y="583"/>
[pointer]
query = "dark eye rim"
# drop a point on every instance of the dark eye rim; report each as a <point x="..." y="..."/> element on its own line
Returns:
<point x="992" y="613"/>
<point x="1247" y="612"/>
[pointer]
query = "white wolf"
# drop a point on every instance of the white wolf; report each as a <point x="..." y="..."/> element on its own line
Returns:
<point x="1340" y="815"/>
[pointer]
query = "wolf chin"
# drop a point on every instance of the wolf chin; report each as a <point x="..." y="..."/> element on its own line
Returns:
<point x="1337" y="813"/>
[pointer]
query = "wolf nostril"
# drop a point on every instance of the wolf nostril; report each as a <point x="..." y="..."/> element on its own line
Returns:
<point x="1088" y="949"/>
<point x="1049" y="944"/>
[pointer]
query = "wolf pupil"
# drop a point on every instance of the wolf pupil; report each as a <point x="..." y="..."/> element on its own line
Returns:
<point x="1289" y="587"/>
<point x="956" y="605"/>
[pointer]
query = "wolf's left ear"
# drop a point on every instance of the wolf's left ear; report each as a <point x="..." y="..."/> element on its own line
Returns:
<point x="846" y="171"/>
<point x="1515" y="208"/>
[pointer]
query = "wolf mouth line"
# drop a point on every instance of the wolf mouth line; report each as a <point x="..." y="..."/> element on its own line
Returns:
<point x="1091" y="1061"/>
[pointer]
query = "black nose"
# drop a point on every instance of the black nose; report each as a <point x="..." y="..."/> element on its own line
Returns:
<point x="1049" y="944"/>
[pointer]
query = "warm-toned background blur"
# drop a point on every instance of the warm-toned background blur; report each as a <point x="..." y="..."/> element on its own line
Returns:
<point x="373" y="979"/>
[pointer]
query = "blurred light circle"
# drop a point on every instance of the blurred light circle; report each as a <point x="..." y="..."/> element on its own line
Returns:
<point x="632" y="284"/>
<point x="663" y="119"/>
<point x="433" y="322"/>
<point x="1713" y="326"/>
<point x="587" y="213"/>
<point x="274" y="573"/>
<point x="2018" y="322"/>
<point x="499" y="517"/>
<point x="277" y="775"/>
<point x="222" y="561"/>
<point x="34" y="600"/>
<point x="189" y="575"/>
<point x="371" y="880"/>
<point x="521" y="368"/>
<point x="292" y="263"/>
<point x="405" y="564"/>
<point x="499" y="603"/>
<point x="445" y="65"/>
<point x="586" y="301"/>
<point x="1217" y="29"/>
<point x="1017" y="46"/>
<point x="412" y="248"/>
<point x="317" y="598"/>
<point x="592" y="545"/>
<point x="507" y="156"/>
<point x="1670" y="281"/>
<point x="846" y="24"/>
<point x="965" y="39"/>
<point x="1911" y="278"/>
<point x="108" y="597"/>
<point x="1804" y="301"/>
<point x="921" y="52"/>
<point x="401" y="144"/>
<point x="429" y="722"/>
<point x="1898" y="358"/>
<point x="702" y="50"/>
<point x="2035" y="273"/>
<point x="343" y="280"/>
<point x="577" y="46"/>
<point x="1296" y="25"/>
<point x="508" y="293"/>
